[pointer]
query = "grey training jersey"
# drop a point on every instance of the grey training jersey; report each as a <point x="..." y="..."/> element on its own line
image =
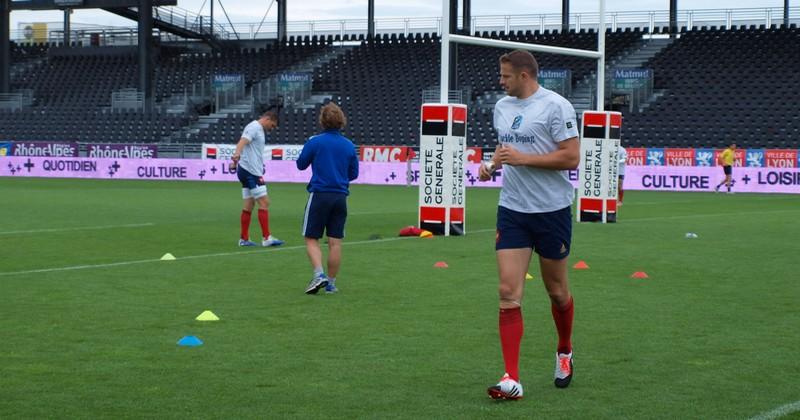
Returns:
<point x="535" y="125"/>
<point x="253" y="153"/>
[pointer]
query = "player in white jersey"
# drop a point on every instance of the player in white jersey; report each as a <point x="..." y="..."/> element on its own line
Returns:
<point x="248" y="159"/>
<point x="622" y="158"/>
<point x="538" y="144"/>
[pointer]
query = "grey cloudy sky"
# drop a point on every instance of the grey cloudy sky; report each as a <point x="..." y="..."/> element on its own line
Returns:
<point x="249" y="11"/>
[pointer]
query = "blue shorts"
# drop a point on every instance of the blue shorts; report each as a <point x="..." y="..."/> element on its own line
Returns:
<point x="325" y="211"/>
<point x="549" y="234"/>
<point x="252" y="186"/>
<point x="727" y="169"/>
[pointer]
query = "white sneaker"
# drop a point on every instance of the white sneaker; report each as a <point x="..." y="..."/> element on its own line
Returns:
<point x="271" y="241"/>
<point x="563" y="374"/>
<point x="506" y="389"/>
<point x="316" y="283"/>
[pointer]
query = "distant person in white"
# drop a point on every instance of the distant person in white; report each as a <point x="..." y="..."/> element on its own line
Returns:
<point x="538" y="143"/>
<point x="248" y="160"/>
<point x="622" y="157"/>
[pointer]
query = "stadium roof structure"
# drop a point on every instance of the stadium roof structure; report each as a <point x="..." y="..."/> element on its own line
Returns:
<point x="81" y="4"/>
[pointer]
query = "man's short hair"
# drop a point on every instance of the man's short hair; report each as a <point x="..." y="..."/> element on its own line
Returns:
<point x="331" y="116"/>
<point x="272" y="115"/>
<point x="522" y="60"/>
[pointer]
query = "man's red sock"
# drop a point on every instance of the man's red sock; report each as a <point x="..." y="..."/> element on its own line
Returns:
<point x="245" y="232"/>
<point x="563" y="318"/>
<point x="511" y="329"/>
<point x="621" y="194"/>
<point x="263" y="219"/>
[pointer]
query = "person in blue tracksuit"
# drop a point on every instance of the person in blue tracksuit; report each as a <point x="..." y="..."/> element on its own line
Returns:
<point x="334" y="163"/>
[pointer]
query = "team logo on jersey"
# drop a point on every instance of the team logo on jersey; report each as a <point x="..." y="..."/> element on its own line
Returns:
<point x="569" y="124"/>
<point x="517" y="122"/>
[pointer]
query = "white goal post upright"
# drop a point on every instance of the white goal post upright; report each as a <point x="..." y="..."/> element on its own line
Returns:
<point x="612" y="122"/>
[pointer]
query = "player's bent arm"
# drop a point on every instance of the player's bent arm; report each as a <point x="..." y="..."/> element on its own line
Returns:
<point x="568" y="156"/>
<point x="486" y="169"/>
<point x="239" y="147"/>
<point x="352" y="170"/>
<point x="306" y="155"/>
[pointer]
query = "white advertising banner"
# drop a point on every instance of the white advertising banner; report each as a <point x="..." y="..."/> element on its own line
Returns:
<point x="443" y="150"/>
<point x="271" y="151"/>
<point x="597" y="172"/>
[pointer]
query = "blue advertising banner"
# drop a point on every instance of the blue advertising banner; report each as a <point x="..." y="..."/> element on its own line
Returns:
<point x="224" y="82"/>
<point x="628" y="79"/>
<point x="703" y="157"/>
<point x="655" y="157"/>
<point x="754" y="158"/>
<point x="5" y="149"/>
<point x="557" y="80"/>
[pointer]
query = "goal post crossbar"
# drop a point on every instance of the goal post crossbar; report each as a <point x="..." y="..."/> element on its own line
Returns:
<point x="448" y="38"/>
<point x="484" y="42"/>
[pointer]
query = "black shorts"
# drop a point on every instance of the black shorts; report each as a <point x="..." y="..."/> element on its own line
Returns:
<point x="549" y="234"/>
<point x="325" y="212"/>
<point x="728" y="169"/>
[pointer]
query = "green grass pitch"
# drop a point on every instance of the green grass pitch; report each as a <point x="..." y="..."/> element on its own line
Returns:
<point x="89" y="316"/>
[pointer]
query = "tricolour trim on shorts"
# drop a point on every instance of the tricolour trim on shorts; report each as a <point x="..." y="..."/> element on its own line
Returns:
<point x="305" y="216"/>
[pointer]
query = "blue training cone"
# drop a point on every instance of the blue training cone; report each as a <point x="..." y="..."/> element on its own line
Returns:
<point x="190" y="341"/>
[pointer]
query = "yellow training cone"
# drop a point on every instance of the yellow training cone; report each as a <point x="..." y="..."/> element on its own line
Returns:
<point x="528" y="276"/>
<point x="207" y="316"/>
<point x="168" y="257"/>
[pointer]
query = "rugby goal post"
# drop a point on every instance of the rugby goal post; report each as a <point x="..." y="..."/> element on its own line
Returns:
<point x="440" y="217"/>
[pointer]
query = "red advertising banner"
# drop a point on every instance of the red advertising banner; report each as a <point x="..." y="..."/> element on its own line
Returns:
<point x="780" y="158"/>
<point x="387" y="153"/>
<point x="637" y="156"/>
<point x="679" y="157"/>
<point x="474" y="154"/>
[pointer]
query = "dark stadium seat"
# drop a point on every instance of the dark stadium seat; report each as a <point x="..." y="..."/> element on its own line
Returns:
<point x="750" y="105"/>
<point x="379" y="84"/>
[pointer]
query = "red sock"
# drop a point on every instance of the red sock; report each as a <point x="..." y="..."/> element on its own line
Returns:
<point x="563" y="318"/>
<point x="511" y="329"/>
<point x="245" y="234"/>
<point x="263" y="219"/>
<point x="621" y="194"/>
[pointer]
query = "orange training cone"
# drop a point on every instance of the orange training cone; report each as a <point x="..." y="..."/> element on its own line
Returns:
<point x="639" y="275"/>
<point x="441" y="264"/>
<point x="581" y="265"/>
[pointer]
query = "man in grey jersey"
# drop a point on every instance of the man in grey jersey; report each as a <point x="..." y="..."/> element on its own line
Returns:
<point x="248" y="159"/>
<point x="538" y="143"/>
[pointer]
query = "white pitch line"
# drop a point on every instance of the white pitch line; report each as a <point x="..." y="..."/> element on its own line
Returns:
<point x="370" y="213"/>
<point x="633" y="203"/>
<point x="779" y="412"/>
<point x="695" y="216"/>
<point x="15" y="232"/>
<point x="193" y="257"/>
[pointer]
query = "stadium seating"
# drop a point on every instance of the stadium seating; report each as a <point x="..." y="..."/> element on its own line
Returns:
<point x="720" y="85"/>
<point x="53" y="123"/>
<point x="723" y="86"/>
